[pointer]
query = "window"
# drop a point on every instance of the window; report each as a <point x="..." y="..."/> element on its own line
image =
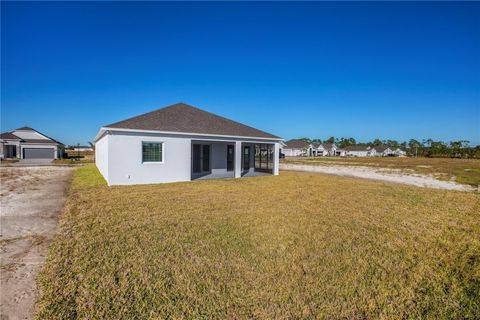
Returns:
<point x="152" y="152"/>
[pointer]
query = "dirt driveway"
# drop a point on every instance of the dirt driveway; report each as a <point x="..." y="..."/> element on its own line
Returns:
<point x="31" y="199"/>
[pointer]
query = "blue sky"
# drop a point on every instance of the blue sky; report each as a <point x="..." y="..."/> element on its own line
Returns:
<point x="368" y="70"/>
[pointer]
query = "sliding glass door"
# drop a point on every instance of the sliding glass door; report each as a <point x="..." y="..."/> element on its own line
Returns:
<point x="200" y="158"/>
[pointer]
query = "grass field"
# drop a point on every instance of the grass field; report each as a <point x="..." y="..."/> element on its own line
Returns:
<point x="466" y="171"/>
<point x="294" y="246"/>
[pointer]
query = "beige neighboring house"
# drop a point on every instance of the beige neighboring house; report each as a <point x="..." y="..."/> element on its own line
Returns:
<point x="28" y="143"/>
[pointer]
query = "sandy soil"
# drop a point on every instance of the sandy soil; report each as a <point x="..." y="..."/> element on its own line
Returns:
<point x="390" y="175"/>
<point x="30" y="200"/>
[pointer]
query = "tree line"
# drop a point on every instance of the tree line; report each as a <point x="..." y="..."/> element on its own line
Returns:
<point x="413" y="147"/>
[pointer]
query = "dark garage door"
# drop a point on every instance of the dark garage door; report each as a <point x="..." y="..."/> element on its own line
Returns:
<point x="38" y="153"/>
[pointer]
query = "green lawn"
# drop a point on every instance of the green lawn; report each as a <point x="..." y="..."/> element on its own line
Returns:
<point x="466" y="171"/>
<point x="294" y="246"/>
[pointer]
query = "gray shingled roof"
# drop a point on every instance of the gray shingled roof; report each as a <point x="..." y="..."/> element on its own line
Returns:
<point x="184" y="118"/>
<point x="381" y="148"/>
<point x="11" y="136"/>
<point x="296" y="144"/>
<point x="328" y="145"/>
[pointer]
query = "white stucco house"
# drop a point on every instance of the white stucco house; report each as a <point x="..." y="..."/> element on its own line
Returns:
<point x="383" y="151"/>
<point x="399" y="153"/>
<point x="329" y="149"/>
<point x="28" y="143"/>
<point x="183" y="143"/>
<point x="359" y="151"/>
<point x="297" y="148"/>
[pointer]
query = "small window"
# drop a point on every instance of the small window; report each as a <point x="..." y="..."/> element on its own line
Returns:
<point x="152" y="152"/>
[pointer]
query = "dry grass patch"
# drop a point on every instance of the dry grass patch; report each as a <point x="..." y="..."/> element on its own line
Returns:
<point x="466" y="171"/>
<point x="294" y="246"/>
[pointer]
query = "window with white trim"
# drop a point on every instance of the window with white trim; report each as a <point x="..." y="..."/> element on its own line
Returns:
<point x="152" y="152"/>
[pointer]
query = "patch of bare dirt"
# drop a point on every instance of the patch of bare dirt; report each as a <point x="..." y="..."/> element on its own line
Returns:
<point x="31" y="199"/>
<point x="389" y="175"/>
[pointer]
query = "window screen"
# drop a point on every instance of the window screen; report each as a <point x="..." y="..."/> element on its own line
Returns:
<point x="152" y="152"/>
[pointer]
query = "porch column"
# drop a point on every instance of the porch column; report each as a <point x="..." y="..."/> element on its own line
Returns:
<point x="238" y="159"/>
<point x="276" y="158"/>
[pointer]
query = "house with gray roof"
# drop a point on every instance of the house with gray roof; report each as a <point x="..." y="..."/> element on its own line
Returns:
<point x="298" y="148"/>
<point x="28" y="143"/>
<point x="383" y="151"/>
<point x="359" y="151"/>
<point x="182" y="143"/>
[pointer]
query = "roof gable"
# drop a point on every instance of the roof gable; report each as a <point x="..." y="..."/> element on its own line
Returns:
<point x="29" y="135"/>
<point x="381" y="148"/>
<point x="184" y="118"/>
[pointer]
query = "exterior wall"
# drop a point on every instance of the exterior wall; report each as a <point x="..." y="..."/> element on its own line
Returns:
<point x="101" y="156"/>
<point x="359" y="153"/>
<point x="39" y="146"/>
<point x="119" y="157"/>
<point x="293" y="152"/>
<point x="321" y="152"/>
<point x="125" y="160"/>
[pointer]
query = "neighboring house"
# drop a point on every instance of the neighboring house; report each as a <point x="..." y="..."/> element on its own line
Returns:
<point x="383" y="151"/>
<point x="319" y="150"/>
<point x="329" y="149"/>
<point x="296" y="148"/>
<point x="359" y="151"/>
<point x="340" y="153"/>
<point x="183" y="143"/>
<point x="399" y="153"/>
<point x="28" y="143"/>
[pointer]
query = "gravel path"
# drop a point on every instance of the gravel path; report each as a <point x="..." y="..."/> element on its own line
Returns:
<point x="30" y="200"/>
<point x="390" y="175"/>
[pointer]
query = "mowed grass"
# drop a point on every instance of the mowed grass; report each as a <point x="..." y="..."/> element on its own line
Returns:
<point x="465" y="171"/>
<point x="295" y="246"/>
